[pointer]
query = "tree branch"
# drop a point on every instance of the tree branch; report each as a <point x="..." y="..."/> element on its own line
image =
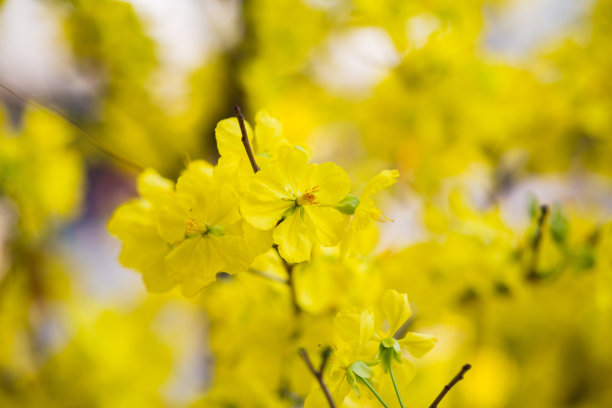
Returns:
<point x="450" y="385"/>
<point x="245" y="139"/>
<point x="532" y="271"/>
<point x="319" y="373"/>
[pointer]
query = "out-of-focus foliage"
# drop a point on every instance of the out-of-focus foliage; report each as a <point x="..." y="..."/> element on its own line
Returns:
<point x="292" y="257"/>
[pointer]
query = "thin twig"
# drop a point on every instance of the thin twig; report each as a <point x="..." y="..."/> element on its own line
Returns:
<point x="450" y="385"/>
<point x="532" y="273"/>
<point x="245" y="139"/>
<point x="288" y="267"/>
<point x="28" y="99"/>
<point x="319" y="374"/>
<point x="290" y="282"/>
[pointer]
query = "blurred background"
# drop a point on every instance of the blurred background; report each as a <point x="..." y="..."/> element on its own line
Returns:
<point x="488" y="109"/>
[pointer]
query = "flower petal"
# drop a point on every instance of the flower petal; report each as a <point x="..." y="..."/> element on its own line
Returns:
<point x="355" y="327"/>
<point x="229" y="139"/>
<point x="268" y="133"/>
<point x="151" y="185"/>
<point x="418" y="344"/>
<point x="329" y="223"/>
<point x="143" y="249"/>
<point x="293" y="237"/>
<point x="332" y="181"/>
<point x="194" y="263"/>
<point x="395" y="308"/>
<point x="291" y="167"/>
<point x="379" y="182"/>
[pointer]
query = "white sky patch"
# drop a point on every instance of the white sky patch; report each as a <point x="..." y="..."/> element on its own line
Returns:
<point x="407" y="227"/>
<point x="354" y="61"/>
<point x="188" y="33"/>
<point x="34" y="56"/>
<point x="516" y="29"/>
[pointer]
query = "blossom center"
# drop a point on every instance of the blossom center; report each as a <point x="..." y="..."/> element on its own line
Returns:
<point x="193" y="228"/>
<point x="309" y="197"/>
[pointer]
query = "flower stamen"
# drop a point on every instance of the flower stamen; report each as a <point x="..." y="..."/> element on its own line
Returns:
<point x="309" y="197"/>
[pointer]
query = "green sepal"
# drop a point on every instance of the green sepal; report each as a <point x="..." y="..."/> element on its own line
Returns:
<point x="559" y="227"/>
<point x="288" y="212"/>
<point x="217" y="231"/>
<point x="361" y="370"/>
<point x="352" y="381"/>
<point x="348" y="205"/>
<point x="388" y="350"/>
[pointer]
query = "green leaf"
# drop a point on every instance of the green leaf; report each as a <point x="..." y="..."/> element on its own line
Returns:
<point x="348" y="204"/>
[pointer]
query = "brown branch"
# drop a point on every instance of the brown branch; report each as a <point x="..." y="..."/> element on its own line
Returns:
<point x="28" y="99"/>
<point x="318" y="374"/>
<point x="245" y="139"/>
<point x="532" y="273"/>
<point x="450" y="385"/>
<point x="290" y="282"/>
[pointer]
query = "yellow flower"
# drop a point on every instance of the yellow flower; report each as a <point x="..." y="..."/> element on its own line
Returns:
<point x="354" y="330"/>
<point x="185" y="235"/>
<point x="361" y="230"/>
<point x="301" y="196"/>
<point x="395" y="313"/>
<point x="202" y="223"/>
<point x="133" y="222"/>
<point x="234" y="166"/>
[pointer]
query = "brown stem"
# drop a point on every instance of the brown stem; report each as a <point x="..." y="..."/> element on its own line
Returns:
<point x="245" y="139"/>
<point x="319" y="373"/>
<point x="450" y="385"/>
<point x="532" y="273"/>
<point x="290" y="282"/>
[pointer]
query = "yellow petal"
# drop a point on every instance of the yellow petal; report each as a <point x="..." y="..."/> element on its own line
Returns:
<point x="418" y="344"/>
<point x="143" y="249"/>
<point x="194" y="264"/>
<point x="329" y="223"/>
<point x="291" y="167"/>
<point x="268" y="133"/>
<point x="382" y="180"/>
<point x="332" y="181"/>
<point x="171" y="215"/>
<point x="229" y="139"/>
<point x="233" y="252"/>
<point x="151" y="185"/>
<point x="355" y="327"/>
<point x="213" y="202"/>
<point x="267" y="199"/>
<point x="395" y="308"/>
<point x="293" y="237"/>
<point x="258" y="241"/>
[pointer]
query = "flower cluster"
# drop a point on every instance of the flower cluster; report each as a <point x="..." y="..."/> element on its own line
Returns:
<point x="220" y="218"/>
<point x="373" y="337"/>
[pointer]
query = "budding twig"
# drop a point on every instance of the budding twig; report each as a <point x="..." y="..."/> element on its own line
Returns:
<point x="245" y="139"/>
<point x="319" y="373"/>
<point x="532" y="272"/>
<point x="450" y="385"/>
<point x="28" y="99"/>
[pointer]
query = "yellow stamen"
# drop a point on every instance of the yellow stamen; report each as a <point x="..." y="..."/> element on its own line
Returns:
<point x="192" y="226"/>
<point x="309" y="197"/>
